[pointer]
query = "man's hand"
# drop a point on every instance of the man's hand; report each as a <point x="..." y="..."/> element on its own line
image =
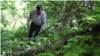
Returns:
<point x="43" y="29"/>
<point x="28" y="24"/>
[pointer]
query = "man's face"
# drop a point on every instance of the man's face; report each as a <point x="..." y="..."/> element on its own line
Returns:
<point x="39" y="11"/>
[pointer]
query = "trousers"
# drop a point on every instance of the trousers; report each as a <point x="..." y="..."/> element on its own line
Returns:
<point x="33" y="28"/>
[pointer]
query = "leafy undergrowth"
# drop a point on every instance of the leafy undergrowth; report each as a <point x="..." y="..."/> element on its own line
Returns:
<point x="67" y="42"/>
<point x="78" y="45"/>
<point x="50" y="44"/>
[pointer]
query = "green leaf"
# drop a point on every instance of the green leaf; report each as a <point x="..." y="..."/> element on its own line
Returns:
<point x="71" y="54"/>
<point x="5" y="24"/>
<point x="54" y="46"/>
<point x="72" y="39"/>
<point x="68" y="45"/>
<point x="34" y="47"/>
<point x="4" y="8"/>
<point x="45" y="54"/>
<point x="1" y="25"/>
<point x="57" y="23"/>
<point x="78" y="36"/>
<point x="98" y="9"/>
<point x="68" y="28"/>
<point x="3" y="3"/>
<point x="82" y="24"/>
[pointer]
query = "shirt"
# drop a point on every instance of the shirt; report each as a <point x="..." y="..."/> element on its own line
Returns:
<point x="37" y="19"/>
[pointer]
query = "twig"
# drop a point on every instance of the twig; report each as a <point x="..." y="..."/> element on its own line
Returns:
<point x="24" y="27"/>
<point x="70" y="8"/>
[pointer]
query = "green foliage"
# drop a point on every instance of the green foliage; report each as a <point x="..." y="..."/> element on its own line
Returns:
<point x="45" y="54"/>
<point x="14" y="40"/>
<point x="4" y="5"/>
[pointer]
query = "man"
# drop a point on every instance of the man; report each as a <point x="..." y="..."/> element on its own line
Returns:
<point x="38" y="17"/>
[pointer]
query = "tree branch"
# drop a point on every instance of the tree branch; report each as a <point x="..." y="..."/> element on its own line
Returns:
<point x="71" y="14"/>
<point x="66" y="18"/>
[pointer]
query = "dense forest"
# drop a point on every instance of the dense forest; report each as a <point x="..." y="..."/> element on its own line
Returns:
<point x="72" y="29"/>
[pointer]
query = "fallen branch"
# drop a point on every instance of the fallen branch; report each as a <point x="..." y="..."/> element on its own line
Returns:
<point x="46" y="29"/>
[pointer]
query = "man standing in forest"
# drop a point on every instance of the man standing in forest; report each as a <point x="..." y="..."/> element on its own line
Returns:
<point x="38" y="17"/>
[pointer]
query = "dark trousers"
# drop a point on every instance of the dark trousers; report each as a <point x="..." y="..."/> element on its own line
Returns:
<point x="33" y="28"/>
